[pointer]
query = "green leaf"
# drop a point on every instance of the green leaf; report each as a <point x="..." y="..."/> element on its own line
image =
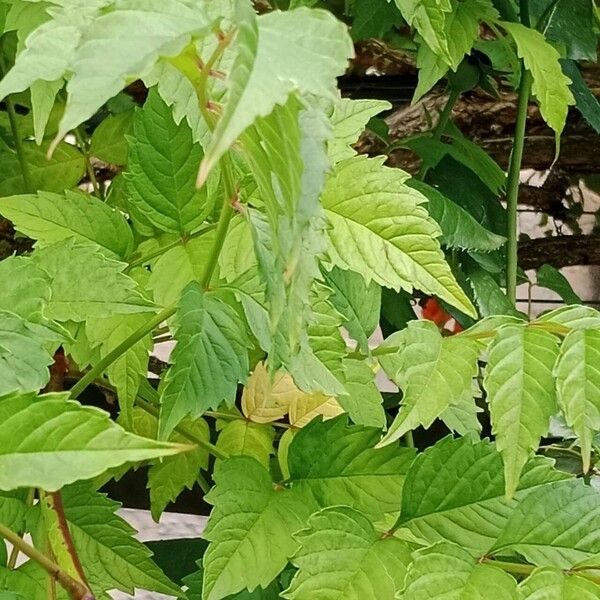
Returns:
<point x="13" y="509"/>
<point x="64" y="170"/>
<point x="29" y="581"/>
<point x="277" y="53"/>
<point x="574" y="317"/>
<point x="363" y="401"/>
<point x="163" y="160"/>
<point x="550" y="86"/>
<point x="49" y="441"/>
<point x="461" y="29"/>
<point x="111" y="557"/>
<point x="461" y="417"/>
<point x="577" y="373"/>
<point x="555" y="524"/>
<point x="428" y="17"/>
<point x="380" y="229"/>
<point x="169" y="476"/>
<point x="443" y="501"/>
<point x="87" y="284"/>
<point x="179" y="93"/>
<point x="432" y="151"/>
<point x="489" y="296"/>
<point x="43" y="97"/>
<point x="336" y="464"/>
<point x="459" y="228"/>
<point x="128" y="51"/>
<point x="567" y="22"/>
<point x="434" y="372"/>
<point x="108" y="140"/>
<point x="209" y="335"/>
<point x="252" y="519"/>
<point x="465" y="188"/>
<point x="550" y="583"/>
<point x="49" y="218"/>
<point x="447" y="572"/>
<point x="125" y="372"/>
<point x="357" y="301"/>
<point x="585" y="101"/>
<point x="372" y="19"/>
<point x="349" y="119"/>
<point x="343" y="556"/>
<point x="520" y="387"/>
<point x="194" y="589"/>
<point x="25" y="288"/>
<point x="24" y="355"/>
<point x="179" y="266"/>
<point x="241" y="437"/>
<point x="551" y="278"/>
<point x="287" y="152"/>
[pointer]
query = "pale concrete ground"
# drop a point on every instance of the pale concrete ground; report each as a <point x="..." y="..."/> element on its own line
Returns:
<point x="171" y="526"/>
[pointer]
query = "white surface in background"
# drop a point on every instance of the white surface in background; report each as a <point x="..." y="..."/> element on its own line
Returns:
<point x="171" y="526"/>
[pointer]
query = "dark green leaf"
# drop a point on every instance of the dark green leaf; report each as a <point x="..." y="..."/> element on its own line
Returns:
<point x="551" y="278"/>
<point x="585" y="101"/>
<point x="568" y="22"/>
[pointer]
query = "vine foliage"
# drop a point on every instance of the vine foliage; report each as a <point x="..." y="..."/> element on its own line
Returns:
<point x="223" y="208"/>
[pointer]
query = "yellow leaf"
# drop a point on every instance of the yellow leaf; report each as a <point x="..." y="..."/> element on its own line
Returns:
<point x="265" y="398"/>
<point x="306" y="407"/>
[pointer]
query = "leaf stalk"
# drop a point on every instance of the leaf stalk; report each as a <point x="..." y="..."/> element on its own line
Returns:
<point x="74" y="588"/>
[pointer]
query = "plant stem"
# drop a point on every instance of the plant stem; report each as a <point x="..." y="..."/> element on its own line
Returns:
<point x="512" y="186"/>
<point x="18" y="140"/>
<point x="88" y="165"/>
<point x="76" y="590"/>
<point x="523" y="569"/>
<point x="184" y="431"/>
<point x="138" y="262"/>
<point x="223" y="223"/>
<point x="108" y="360"/>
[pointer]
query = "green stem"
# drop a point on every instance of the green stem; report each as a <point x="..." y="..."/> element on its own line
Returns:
<point x="76" y="590"/>
<point x="14" y="127"/>
<point x="138" y="262"/>
<point x="439" y="129"/>
<point x="223" y="223"/>
<point x="181" y="429"/>
<point x="108" y="360"/>
<point x="523" y="569"/>
<point x="512" y="186"/>
<point x="88" y="165"/>
<point x="202" y="84"/>
<point x="510" y="567"/>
